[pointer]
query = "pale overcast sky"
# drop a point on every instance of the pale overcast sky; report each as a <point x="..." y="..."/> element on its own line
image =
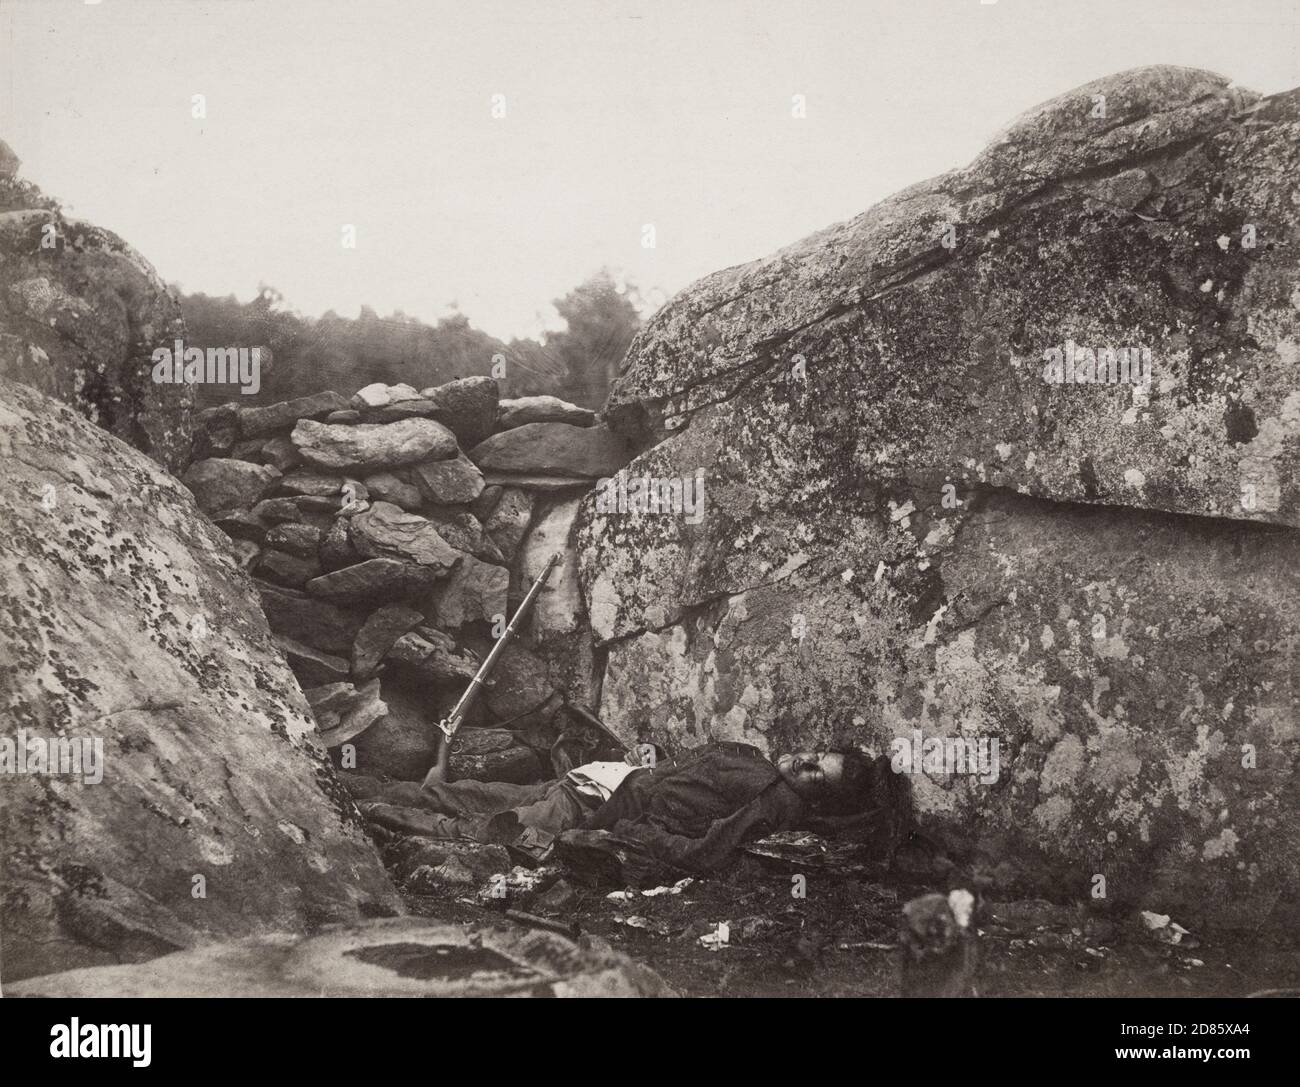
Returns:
<point x="675" y="113"/>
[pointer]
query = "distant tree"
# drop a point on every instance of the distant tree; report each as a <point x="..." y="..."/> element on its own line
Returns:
<point x="601" y="321"/>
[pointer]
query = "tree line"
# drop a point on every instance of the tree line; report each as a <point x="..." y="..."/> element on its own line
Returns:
<point x="311" y="354"/>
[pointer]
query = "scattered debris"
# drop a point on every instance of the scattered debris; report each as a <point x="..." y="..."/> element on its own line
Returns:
<point x="565" y="928"/>
<point x="1167" y="931"/>
<point x="659" y="928"/>
<point x="799" y="850"/>
<point x="557" y="897"/>
<point x="718" y="938"/>
<point x="676" y="889"/>
<point x="519" y="881"/>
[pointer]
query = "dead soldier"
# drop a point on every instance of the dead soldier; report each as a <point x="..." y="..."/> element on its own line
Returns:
<point x="637" y="823"/>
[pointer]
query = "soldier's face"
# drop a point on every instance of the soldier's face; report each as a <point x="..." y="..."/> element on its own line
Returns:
<point x="811" y="774"/>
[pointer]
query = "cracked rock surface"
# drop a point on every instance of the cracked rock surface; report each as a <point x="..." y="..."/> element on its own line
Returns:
<point x="907" y="528"/>
<point x="124" y="617"/>
<point x="81" y="314"/>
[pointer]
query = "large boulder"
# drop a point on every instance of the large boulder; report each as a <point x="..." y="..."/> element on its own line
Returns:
<point x="128" y="630"/>
<point x="81" y="315"/>
<point x="550" y="450"/>
<point x="396" y="957"/>
<point x="913" y="531"/>
<point x="372" y="446"/>
<point x="467" y="405"/>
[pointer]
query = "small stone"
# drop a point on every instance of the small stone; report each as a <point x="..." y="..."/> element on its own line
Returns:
<point x="485" y="503"/>
<point x="215" y="431"/>
<point x="475" y="592"/>
<point x="509" y="521"/>
<point x="308" y="620"/>
<point x="246" y="552"/>
<point x="405" y="409"/>
<point x="542" y="409"/>
<point x="276" y="510"/>
<point x="336" y="547"/>
<point x="468" y="406"/>
<point x="433" y="656"/>
<point x="282" y="568"/>
<point x="221" y="483"/>
<point x="320" y="484"/>
<point x="280" y="452"/>
<point x="242" y="525"/>
<point x="343" y="711"/>
<point x="273" y="417"/>
<point x="312" y="667"/>
<point x="390" y="487"/>
<point x="374" y="580"/>
<point x="300" y="540"/>
<point x="453" y="481"/>
<point x="386" y="530"/>
<point x="377" y="636"/>
<point x="461" y="530"/>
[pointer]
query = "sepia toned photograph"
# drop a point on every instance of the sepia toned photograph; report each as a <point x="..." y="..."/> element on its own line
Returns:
<point x="655" y="499"/>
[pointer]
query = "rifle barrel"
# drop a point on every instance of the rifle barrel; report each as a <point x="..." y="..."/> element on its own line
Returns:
<point x="471" y="692"/>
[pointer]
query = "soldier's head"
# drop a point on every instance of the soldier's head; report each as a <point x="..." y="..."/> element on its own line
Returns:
<point x="843" y="781"/>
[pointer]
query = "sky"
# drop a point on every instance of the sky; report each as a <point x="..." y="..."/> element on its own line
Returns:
<point x="619" y="115"/>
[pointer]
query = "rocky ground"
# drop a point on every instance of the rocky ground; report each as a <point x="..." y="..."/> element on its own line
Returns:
<point x="843" y="940"/>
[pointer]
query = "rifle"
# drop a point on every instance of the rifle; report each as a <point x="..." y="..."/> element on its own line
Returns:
<point x="449" y="724"/>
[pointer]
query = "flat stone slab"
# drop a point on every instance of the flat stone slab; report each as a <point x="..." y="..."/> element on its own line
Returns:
<point x="403" y="956"/>
<point x="372" y="446"/>
<point x="542" y="409"/>
<point x="552" y="449"/>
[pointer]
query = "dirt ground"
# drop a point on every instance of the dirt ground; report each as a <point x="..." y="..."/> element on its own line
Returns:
<point x="840" y="939"/>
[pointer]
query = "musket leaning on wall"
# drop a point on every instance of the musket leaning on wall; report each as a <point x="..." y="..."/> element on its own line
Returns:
<point x="449" y="724"/>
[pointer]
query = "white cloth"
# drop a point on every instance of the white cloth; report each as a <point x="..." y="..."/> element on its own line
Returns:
<point x="599" y="779"/>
